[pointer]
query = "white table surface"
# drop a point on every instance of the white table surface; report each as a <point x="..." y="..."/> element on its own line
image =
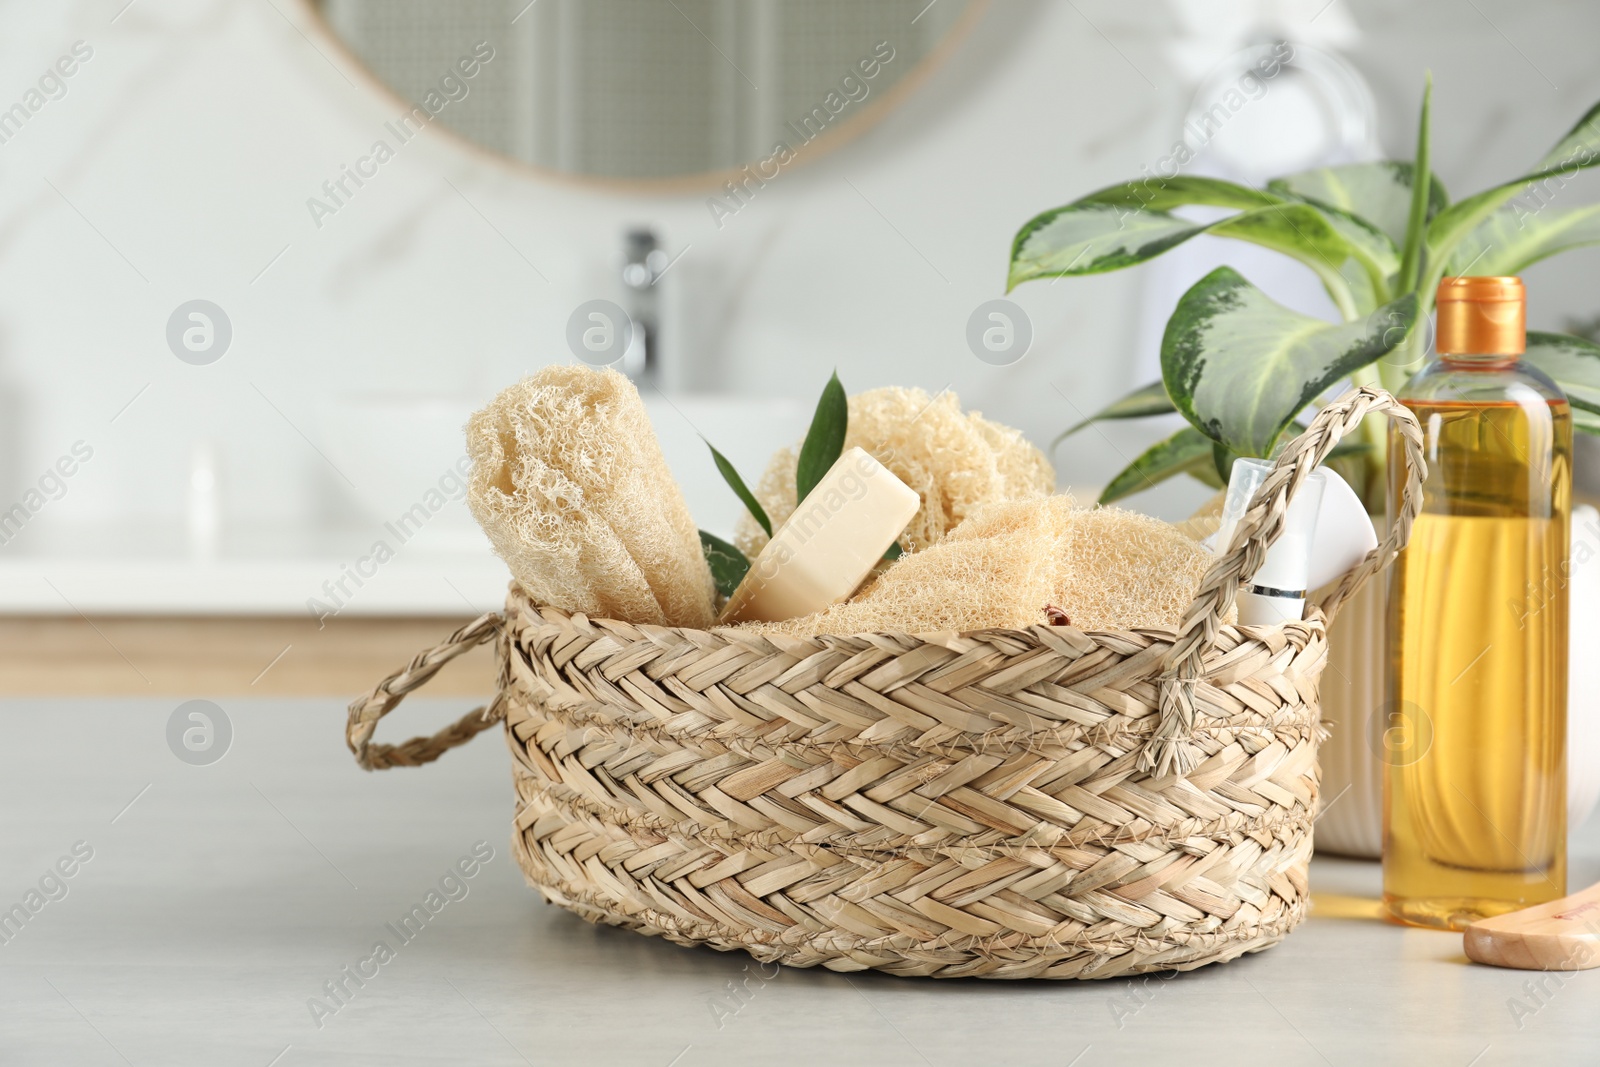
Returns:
<point x="221" y="899"/>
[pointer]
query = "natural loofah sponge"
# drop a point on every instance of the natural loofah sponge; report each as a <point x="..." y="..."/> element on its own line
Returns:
<point x="1127" y="571"/>
<point x="569" y="483"/>
<point x="955" y="461"/>
<point x="1105" y="567"/>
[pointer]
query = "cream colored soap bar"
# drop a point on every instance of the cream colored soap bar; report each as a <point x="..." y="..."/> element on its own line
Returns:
<point x="823" y="551"/>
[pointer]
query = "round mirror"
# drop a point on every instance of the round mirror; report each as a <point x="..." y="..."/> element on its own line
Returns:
<point x="658" y="91"/>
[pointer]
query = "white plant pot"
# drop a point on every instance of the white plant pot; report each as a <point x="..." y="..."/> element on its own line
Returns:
<point x="1351" y="823"/>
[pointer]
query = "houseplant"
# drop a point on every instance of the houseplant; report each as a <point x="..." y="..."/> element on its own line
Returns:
<point x="1243" y="369"/>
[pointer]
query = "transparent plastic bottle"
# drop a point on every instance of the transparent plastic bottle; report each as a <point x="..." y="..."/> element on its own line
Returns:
<point x="1475" y="729"/>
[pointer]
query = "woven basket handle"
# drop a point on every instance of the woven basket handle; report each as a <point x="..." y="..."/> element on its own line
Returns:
<point x="366" y="711"/>
<point x="1171" y="748"/>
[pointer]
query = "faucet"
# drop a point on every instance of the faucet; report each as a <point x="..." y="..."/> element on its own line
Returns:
<point x="642" y="266"/>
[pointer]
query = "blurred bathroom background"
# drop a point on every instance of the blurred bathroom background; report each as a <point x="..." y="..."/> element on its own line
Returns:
<point x="238" y="341"/>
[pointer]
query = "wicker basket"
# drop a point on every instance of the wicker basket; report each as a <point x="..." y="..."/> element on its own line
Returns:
<point x="1038" y="803"/>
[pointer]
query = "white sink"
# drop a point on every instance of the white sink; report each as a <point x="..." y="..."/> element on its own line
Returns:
<point x="400" y="452"/>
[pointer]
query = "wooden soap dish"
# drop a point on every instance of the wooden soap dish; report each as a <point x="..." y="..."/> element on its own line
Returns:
<point x="1563" y="935"/>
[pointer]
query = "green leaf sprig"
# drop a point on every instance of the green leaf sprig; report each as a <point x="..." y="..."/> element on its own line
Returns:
<point x="728" y="565"/>
<point x="824" y="442"/>
<point x="823" y="445"/>
<point x="741" y="490"/>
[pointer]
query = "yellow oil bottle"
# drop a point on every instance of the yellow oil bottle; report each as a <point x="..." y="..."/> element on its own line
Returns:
<point x="1474" y="733"/>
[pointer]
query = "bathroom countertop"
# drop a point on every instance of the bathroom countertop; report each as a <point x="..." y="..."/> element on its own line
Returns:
<point x="298" y="586"/>
<point x="220" y="899"/>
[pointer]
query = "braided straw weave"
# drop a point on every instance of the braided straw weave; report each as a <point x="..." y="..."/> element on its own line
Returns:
<point x="1038" y="803"/>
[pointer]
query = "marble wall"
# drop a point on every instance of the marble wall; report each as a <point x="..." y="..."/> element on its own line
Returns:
<point x="177" y="160"/>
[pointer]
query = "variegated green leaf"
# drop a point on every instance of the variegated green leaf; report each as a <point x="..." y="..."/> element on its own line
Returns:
<point x="1580" y="146"/>
<point x="1374" y="259"/>
<point x="1572" y="363"/>
<point x="1578" y="150"/>
<point x="1413" y="248"/>
<point x="1090" y="238"/>
<point x="1522" y="233"/>
<point x="1366" y="288"/>
<point x="1186" y="452"/>
<point x="1152" y="399"/>
<point x="1240" y="367"/>
<point x="1164" y="194"/>
<point x="1379" y="193"/>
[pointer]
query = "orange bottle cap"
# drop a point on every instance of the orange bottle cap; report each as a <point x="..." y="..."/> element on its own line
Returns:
<point x="1481" y="316"/>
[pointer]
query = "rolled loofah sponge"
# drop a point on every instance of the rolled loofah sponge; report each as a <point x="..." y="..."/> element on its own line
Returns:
<point x="570" y="485"/>
<point x="1105" y="567"/>
<point x="955" y="461"/>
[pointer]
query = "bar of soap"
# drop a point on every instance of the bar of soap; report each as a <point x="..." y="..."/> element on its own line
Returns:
<point x="826" y="548"/>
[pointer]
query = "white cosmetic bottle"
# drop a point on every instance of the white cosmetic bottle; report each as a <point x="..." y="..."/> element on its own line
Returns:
<point x="1326" y="532"/>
